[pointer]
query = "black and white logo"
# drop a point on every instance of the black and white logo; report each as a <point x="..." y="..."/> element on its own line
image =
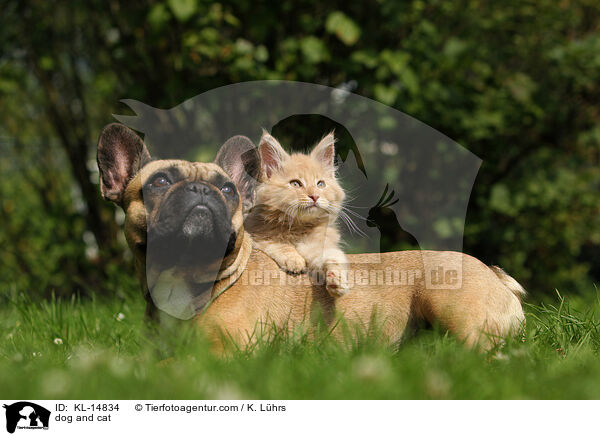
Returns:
<point x="26" y="415"/>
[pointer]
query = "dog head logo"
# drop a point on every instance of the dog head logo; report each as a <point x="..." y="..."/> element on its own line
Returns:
<point x="26" y="415"/>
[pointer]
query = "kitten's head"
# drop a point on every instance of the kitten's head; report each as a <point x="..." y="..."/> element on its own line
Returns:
<point x="298" y="186"/>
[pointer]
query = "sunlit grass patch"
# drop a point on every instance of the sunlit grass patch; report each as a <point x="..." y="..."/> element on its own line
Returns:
<point x="102" y="348"/>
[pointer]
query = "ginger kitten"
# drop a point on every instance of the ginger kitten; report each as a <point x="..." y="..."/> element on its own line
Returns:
<point x="298" y="202"/>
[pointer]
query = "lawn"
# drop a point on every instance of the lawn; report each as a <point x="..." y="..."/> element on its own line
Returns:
<point x="101" y="349"/>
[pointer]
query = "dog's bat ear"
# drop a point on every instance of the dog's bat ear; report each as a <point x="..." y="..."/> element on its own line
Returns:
<point x="121" y="154"/>
<point x="240" y="159"/>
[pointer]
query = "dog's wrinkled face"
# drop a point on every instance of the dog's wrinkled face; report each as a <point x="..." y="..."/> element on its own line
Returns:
<point x="181" y="214"/>
<point x="190" y="213"/>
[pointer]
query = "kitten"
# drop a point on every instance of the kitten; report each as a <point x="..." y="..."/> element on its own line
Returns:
<point x="298" y="202"/>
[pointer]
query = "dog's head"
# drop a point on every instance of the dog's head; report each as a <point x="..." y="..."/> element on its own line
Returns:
<point x="180" y="216"/>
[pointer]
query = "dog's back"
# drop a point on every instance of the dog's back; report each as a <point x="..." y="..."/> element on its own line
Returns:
<point x="389" y="289"/>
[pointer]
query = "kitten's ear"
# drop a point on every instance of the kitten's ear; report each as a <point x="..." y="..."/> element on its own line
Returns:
<point x="240" y="159"/>
<point x="324" y="151"/>
<point x="272" y="154"/>
<point x="121" y="154"/>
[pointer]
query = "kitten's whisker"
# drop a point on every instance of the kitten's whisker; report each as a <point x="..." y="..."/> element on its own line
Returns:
<point x="348" y="198"/>
<point x="351" y="212"/>
<point x="350" y="192"/>
<point x="353" y="228"/>
<point x="292" y="211"/>
<point x="357" y="207"/>
<point x="289" y="214"/>
<point x="350" y="224"/>
<point x="348" y="201"/>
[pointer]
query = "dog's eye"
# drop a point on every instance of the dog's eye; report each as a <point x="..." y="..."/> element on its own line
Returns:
<point x="296" y="183"/>
<point x="160" y="181"/>
<point x="227" y="188"/>
<point x="321" y="184"/>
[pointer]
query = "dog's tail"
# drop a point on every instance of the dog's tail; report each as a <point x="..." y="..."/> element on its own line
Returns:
<point x="509" y="282"/>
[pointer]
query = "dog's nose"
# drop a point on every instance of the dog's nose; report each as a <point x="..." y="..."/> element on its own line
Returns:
<point x="198" y="188"/>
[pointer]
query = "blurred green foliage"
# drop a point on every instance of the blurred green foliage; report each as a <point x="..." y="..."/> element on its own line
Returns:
<point x="515" y="82"/>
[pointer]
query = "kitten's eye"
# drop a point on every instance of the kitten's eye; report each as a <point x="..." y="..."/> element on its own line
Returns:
<point x="160" y="181"/>
<point x="321" y="184"/>
<point x="227" y="188"/>
<point x="296" y="183"/>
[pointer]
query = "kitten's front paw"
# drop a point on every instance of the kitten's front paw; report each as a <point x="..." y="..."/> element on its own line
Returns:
<point x="294" y="263"/>
<point x="336" y="279"/>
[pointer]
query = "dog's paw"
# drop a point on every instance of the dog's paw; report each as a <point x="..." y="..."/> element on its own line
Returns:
<point x="336" y="279"/>
<point x="294" y="263"/>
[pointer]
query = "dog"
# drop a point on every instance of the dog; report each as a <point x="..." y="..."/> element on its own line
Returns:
<point x="184" y="225"/>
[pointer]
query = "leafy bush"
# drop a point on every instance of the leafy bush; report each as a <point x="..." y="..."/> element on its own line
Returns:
<point x="514" y="82"/>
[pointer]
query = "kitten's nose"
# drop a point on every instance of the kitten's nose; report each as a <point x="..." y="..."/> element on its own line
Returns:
<point x="314" y="197"/>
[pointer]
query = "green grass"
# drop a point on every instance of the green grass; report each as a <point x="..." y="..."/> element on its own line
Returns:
<point x="104" y="355"/>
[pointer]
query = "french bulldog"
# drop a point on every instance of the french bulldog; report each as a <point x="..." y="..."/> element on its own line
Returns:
<point x="194" y="260"/>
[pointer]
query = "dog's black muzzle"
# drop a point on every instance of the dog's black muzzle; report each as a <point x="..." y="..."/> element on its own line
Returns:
<point x="192" y="226"/>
